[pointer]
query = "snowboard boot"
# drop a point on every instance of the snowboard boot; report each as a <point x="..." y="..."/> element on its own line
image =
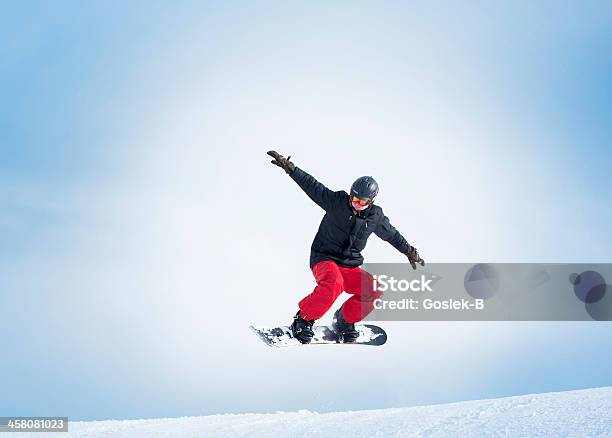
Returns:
<point x="346" y="331"/>
<point x="302" y="329"/>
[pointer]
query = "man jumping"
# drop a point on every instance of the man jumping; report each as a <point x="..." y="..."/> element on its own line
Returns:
<point x="335" y="256"/>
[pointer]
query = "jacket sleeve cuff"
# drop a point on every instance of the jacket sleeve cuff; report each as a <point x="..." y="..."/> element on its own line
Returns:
<point x="297" y="172"/>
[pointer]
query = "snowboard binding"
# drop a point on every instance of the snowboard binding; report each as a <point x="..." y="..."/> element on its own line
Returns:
<point x="301" y="329"/>
<point x="346" y="331"/>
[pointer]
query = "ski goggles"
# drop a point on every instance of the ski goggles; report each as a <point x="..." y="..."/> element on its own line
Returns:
<point x="363" y="202"/>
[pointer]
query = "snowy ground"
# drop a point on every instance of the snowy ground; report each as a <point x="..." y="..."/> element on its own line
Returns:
<point x="562" y="414"/>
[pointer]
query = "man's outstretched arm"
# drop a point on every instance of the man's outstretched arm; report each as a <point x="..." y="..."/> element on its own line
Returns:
<point x="313" y="188"/>
<point x="387" y="232"/>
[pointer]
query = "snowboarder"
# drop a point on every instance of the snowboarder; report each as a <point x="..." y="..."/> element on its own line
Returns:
<point x="335" y="256"/>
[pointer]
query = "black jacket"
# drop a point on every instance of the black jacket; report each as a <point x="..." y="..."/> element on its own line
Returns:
<point x="343" y="233"/>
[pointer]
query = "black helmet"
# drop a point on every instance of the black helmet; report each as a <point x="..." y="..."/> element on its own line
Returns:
<point x="365" y="187"/>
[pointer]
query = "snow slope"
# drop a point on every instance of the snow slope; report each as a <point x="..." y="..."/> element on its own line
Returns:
<point x="561" y="414"/>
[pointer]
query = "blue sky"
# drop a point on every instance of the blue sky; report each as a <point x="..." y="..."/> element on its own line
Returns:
<point x="140" y="215"/>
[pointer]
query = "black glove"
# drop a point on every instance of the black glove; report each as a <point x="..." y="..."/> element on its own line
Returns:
<point x="414" y="257"/>
<point x="282" y="162"/>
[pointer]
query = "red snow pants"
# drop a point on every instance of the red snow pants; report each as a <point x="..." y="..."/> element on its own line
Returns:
<point x="332" y="280"/>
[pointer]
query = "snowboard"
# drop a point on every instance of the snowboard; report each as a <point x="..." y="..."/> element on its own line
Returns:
<point x="282" y="336"/>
